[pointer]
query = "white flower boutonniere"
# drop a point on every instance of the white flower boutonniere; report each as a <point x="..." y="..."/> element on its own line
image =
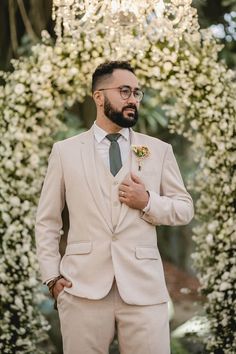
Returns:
<point x="141" y="153"/>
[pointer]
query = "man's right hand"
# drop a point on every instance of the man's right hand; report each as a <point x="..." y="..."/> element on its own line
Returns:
<point x="59" y="286"/>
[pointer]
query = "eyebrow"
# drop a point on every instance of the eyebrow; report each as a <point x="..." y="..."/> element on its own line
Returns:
<point x="135" y="88"/>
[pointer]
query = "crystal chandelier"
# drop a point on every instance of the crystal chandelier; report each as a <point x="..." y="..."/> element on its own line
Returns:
<point x="124" y="23"/>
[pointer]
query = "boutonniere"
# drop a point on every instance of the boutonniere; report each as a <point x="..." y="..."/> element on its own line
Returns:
<point x="141" y="153"/>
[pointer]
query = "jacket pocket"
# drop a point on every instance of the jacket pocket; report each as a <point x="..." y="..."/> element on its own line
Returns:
<point x="146" y="253"/>
<point x="78" y="248"/>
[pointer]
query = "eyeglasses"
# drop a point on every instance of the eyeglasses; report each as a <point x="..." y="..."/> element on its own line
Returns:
<point x="126" y="91"/>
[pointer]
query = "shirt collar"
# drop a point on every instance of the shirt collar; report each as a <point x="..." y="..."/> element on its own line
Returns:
<point x="100" y="134"/>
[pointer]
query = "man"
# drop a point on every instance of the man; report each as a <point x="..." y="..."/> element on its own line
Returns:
<point x="111" y="274"/>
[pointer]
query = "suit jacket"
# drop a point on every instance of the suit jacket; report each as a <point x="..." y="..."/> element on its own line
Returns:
<point x="96" y="251"/>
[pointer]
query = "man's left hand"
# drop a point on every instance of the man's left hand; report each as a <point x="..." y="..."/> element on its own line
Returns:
<point x="132" y="192"/>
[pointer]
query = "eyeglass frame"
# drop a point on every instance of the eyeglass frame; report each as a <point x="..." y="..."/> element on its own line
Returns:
<point x="120" y="88"/>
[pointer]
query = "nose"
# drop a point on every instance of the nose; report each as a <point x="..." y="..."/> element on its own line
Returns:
<point x="132" y="99"/>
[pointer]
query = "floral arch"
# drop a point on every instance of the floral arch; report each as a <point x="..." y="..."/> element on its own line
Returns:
<point x="198" y="93"/>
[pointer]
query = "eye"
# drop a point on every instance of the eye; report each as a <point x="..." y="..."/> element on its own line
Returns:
<point x="138" y="94"/>
<point x="125" y="91"/>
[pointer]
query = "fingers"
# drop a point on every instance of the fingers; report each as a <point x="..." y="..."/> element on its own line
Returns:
<point x="123" y="198"/>
<point x="135" y="178"/>
<point x="126" y="182"/>
<point x="124" y="192"/>
<point x="123" y="188"/>
<point x="132" y="178"/>
<point x="131" y="191"/>
<point x="59" y="286"/>
<point x="65" y="282"/>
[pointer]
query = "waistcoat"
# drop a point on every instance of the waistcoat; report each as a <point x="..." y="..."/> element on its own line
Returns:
<point x="109" y="185"/>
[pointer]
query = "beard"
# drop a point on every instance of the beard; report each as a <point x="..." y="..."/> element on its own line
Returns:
<point x="118" y="117"/>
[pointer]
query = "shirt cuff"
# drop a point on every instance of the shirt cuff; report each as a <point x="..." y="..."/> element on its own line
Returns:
<point x="48" y="281"/>
<point x="147" y="207"/>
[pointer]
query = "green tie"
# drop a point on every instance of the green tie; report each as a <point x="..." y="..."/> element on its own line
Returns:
<point x="114" y="153"/>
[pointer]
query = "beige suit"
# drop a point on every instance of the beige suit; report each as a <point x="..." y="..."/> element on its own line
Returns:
<point x="102" y="243"/>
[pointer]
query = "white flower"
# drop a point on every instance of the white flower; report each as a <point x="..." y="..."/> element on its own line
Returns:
<point x="58" y="50"/>
<point x="212" y="227"/>
<point x="61" y="81"/>
<point x="227" y="189"/>
<point x="12" y="229"/>
<point x="32" y="282"/>
<point x="24" y="261"/>
<point x="225" y="286"/>
<point x="167" y="66"/>
<point x="210" y="239"/>
<point x="14" y="201"/>
<point x="6" y="217"/>
<point x="212" y="162"/>
<point x="25" y="247"/>
<point x="20" y="108"/>
<point x="19" y="135"/>
<point x="9" y="164"/>
<point x="19" y="302"/>
<point x="194" y="124"/>
<point x="34" y="87"/>
<point x="46" y="103"/>
<point x="202" y="80"/>
<point x="46" y="68"/>
<point x="25" y="205"/>
<point x="3" y="290"/>
<point x="221" y="146"/>
<point x="226" y="275"/>
<point x="34" y="160"/>
<point x="73" y="71"/>
<point x="19" y="89"/>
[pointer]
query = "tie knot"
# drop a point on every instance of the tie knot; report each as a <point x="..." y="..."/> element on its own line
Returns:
<point x="113" y="137"/>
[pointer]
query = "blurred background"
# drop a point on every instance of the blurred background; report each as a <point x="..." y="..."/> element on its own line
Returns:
<point x="21" y="23"/>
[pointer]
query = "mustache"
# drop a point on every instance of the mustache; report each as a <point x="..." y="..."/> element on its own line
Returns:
<point x="130" y="106"/>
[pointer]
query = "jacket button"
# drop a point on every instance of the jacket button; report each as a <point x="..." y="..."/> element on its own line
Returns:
<point x="114" y="238"/>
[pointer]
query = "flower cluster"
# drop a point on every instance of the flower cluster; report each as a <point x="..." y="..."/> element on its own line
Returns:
<point x="204" y="111"/>
<point x="197" y="93"/>
<point x="141" y="153"/>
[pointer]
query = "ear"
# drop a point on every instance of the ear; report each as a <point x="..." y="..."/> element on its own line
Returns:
<point x="98" y="98"/>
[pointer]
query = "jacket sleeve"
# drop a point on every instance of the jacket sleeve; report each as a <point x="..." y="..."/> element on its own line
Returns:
<point x="48" y="219"/>
<point x="173" y="206"/>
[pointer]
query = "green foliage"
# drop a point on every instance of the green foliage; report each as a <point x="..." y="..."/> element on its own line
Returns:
<point x="152" y="117"/>
<point x="230" y="3"/>
<point x="72" y="125"/>
<point x="177" y="347"/>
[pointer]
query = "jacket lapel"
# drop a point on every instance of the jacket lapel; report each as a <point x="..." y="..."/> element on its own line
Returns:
<point x="134" y="169"/>
<point x="88" y="158"/>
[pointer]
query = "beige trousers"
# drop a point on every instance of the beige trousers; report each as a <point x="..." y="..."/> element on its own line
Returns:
<point x="88" y="326"/>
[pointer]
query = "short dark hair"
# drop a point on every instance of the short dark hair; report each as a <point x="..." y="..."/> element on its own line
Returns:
<point x="106" y="69"/>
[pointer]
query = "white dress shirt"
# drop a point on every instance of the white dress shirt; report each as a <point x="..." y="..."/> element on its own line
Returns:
<point x="102" y="144"/>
